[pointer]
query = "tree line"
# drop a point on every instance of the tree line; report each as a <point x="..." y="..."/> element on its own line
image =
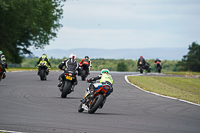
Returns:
<point x="111" y="64"/>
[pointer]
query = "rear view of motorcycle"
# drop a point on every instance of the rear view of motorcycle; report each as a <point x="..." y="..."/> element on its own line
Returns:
<point x="140" y="67"/>
<point x="68" y="85"/>
<point x="43" y="70"/>
<point x="84" y="72"/>
<point x="91" y="103"/>
<point x="158" y="66"/>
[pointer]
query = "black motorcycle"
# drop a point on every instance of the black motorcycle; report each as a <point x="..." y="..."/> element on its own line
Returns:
<point x="158" y="66"/>
<point x="84" y="72"/>
<point x="68" y="85"/>
<point x="43" y="70"/>
<point x="140" y="67"/>
<point x="147" y="67"/>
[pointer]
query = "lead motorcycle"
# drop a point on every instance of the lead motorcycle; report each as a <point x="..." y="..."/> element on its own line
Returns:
<point x="43" y="70"/>
<point x="2" y="75"/>
<point x="91" y="104"/>
<point x="68" y="85"/>
<point x="158" y="66"/>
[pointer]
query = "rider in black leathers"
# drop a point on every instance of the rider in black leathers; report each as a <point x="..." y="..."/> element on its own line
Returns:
<point x="158" y="60"/>
<point x="70" y="65"/>
<point x="142" y="60"/>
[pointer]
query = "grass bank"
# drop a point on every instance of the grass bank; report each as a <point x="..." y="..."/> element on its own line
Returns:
<point x="178" y="87"/>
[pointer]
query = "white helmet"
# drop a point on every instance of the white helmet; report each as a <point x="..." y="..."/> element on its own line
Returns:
<point x="72" y="56"/>
<point x="105" y="71"/>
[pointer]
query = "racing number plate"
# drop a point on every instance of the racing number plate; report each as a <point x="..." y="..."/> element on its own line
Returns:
<point x="69" y="77"/>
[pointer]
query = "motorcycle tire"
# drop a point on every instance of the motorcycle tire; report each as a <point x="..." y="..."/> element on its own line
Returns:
<point x="159" y="69"/>
<point x="141" y="70"/>
<point x="42" y="74"/>
<point x="83" y="75"/>
<point x="99" y="99"/>
<point x="66" y="89"/>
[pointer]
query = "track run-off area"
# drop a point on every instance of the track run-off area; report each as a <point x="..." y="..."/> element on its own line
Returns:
<point x="30" y="105"/>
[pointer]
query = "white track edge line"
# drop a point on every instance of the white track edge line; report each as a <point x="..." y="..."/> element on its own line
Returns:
<point x="157" y="93"/>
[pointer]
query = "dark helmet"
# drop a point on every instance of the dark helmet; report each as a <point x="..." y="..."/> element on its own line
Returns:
<point x="87" y="57"/>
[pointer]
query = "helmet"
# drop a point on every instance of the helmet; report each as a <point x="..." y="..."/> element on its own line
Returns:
<point x="87" y="57"/>
<point x="1" y="52"/>
<point x="44" y="55"/>
<point x="141" y="56"/>
<point x="72" y="56"/>
<point x="105" y="71"/>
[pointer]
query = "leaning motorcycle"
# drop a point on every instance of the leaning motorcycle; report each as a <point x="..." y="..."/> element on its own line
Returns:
<point x="2" y="75"/>
<point x="140" y="67"/>
<point x="1" y="72"/>
<point x="84" y="71"/>
<point x="91" y="104"/>
<point x="158" y="66"/>
<point x="43" y="70"/>
<point x="68" y="85"/>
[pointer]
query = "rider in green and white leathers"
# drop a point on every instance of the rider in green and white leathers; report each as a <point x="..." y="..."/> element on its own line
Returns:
<point x="44" y="59"/>
<point x="105" y="78"/>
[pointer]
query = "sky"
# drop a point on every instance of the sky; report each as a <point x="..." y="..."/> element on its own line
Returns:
<point x="128" y="24"/>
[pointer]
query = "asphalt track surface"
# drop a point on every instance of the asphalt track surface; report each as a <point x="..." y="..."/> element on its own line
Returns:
<point x="33" y="106"/>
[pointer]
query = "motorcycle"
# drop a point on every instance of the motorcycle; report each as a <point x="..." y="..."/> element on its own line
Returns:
<point x="140" y="67"/>
<point x="158" y="66"/>
<point x="2" y="75"/>
<point x="68" y="85"/>
<point x="91" y="104"/>
<point x="84" y="71"/>
<point x="147" y="67"/>
<point x="43" y="72"/>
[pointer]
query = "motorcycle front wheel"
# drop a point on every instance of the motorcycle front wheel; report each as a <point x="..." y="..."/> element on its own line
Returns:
<point x="95" y="105"/>
<point x="42" y="74"/>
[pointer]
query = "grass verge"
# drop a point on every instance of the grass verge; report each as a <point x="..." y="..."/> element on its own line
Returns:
<point x="178" y="87"/>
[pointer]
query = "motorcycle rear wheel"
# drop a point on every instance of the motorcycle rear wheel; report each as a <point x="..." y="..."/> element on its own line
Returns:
<point x="98" y="101"/>
<point x="83" y="75"/>
<point x="66" y="89"/>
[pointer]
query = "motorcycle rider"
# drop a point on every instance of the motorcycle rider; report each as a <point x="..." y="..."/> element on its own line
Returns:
<point x="3" y="64"/>
<point x="105" y="78"/>
<point x="87" y="63"/>
<point x="46" y="59"/>
<point x="69" y="65"/>
<point x="157" y="60"/>
<point x="142" y="60"/>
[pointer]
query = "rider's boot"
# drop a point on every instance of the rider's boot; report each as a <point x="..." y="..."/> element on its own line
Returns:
<point x="60" y="83"/>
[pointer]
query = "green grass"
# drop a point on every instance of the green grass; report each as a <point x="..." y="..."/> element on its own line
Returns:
<point x="182" y="88"/>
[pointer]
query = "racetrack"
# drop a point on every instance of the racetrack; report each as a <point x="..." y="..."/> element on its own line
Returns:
<point x="30" y="105"/>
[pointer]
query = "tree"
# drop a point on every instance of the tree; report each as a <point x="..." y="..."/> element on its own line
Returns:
<point x="191" y="61"/>
<point x="26" y="23"/>
<point x="122" y="67"/>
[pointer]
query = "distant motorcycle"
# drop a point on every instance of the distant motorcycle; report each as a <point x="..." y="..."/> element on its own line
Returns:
<point x="91" y="104"/>
<point x="68" y="86"/>
<point x="158" y="66"/>
<point x="84" y="71"/>
<point x="43" y="70"/>
<point x="147" y="67"/>
<point x="140" y="67"/>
